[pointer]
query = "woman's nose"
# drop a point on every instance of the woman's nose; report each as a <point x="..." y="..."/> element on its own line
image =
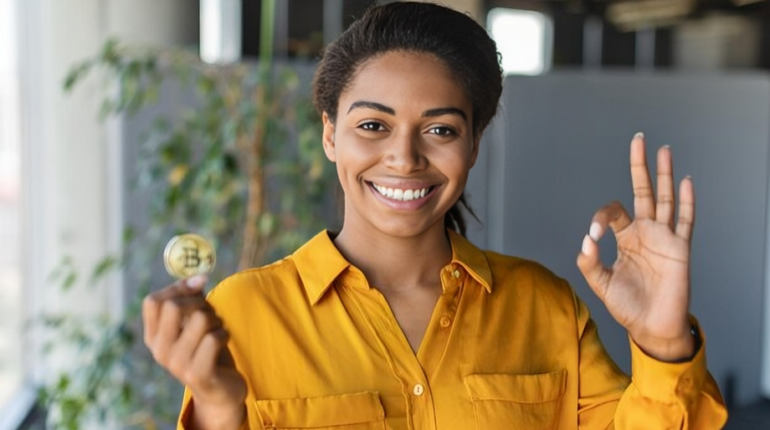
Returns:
<point x="405" y="153"/>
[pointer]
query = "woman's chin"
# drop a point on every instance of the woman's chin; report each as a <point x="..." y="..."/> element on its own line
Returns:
<point x="405" y="228"/>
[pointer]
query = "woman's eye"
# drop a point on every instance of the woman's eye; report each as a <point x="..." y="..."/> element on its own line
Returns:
<point x="442" y="131"/>
<point x="372" y="126"/>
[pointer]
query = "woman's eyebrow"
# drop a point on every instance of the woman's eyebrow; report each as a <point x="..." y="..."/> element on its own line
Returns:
<point x="428" y="113"/>
<point x="444" y="111"/>
<point x="372" y="105"/>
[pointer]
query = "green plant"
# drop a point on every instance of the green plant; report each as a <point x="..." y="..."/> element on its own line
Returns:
<point x="243" y="166"/>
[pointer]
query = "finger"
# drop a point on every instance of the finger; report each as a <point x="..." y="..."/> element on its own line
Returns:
<point x="151" y="305"/>
<point x="206" y="357"/>
<point x="684" y="225"/>
<point x="150" y="312"/>
<point x="597" y="276"/>
<point x="644" y="203"/>
<point x="199" y="323"/>
<point x="614" y="216"/>
<point x="151" y="309"/>
<point x="190" y="304"/>
<point x="172" y="315"/>
<point x="665" y="204"/>
<point x="185" y="287"/>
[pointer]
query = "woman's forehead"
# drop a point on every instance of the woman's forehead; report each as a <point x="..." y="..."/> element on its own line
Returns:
<point x="403" y="79"/>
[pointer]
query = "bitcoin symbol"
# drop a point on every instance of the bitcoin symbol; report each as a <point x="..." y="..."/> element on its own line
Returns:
<point x="191" y="258"/>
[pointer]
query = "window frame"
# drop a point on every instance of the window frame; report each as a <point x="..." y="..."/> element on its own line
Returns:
<point x="21" y="403"/>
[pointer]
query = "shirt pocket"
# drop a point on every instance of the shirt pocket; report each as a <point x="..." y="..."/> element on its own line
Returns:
<point x="506" y="401"/>
<point x="355" y="411"/>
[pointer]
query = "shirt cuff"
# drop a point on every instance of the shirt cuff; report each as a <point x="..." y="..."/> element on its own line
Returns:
<point x="667" y="382"/>
<point x="184" y="415"/>
<point x="183" y="423"/>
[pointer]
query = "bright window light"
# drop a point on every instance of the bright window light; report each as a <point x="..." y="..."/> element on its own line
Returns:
<point x="11" y="304"/>
<point x="523" y="38"/>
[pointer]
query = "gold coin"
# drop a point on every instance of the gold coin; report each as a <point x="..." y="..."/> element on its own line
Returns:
<point x="189" y="254"/>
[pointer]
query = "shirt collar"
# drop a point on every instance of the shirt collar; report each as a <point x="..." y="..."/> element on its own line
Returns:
<point x="471" y="258"/>
<point x="320" y="263"/>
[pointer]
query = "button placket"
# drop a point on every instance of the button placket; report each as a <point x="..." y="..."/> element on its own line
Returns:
<point x="442" y="322"/>
<point x="406" y="368"/>
<point x="421" y="412"/>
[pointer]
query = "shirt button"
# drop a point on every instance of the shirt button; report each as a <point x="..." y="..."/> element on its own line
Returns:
<point x="445" y="322"/>
<point x="418" y="390"/>
<point x="456" y="274"/>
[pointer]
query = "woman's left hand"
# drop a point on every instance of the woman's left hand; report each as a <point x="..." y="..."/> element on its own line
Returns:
<point x="647" y="289"/>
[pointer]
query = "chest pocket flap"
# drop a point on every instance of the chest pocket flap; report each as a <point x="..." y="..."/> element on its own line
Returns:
<point x="517" y="388"/>
<point x="508" y="401"/>
<point x="354" y="411"/>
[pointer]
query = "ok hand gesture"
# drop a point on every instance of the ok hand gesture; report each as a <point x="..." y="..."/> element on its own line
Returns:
<point x="647" y="289"/>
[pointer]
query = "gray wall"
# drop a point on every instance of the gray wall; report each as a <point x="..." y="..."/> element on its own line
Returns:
<point x="559" y="151"/>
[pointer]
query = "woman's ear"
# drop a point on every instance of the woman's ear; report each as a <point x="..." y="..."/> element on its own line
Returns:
<point x="328" y="138"/>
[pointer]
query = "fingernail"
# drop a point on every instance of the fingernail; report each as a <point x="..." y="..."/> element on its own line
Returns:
<point x="196" y="281"/>
<point x="586" y="245"/>
<point x="639" y="135"/>
<point x="595" y="231"/>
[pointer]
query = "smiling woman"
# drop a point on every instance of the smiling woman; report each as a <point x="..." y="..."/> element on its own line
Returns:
<point x="397" y="321"/>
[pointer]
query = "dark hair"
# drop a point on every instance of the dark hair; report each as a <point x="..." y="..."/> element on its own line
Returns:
<point x="463" y="46"/>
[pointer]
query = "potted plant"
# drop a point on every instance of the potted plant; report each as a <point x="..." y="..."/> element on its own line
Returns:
<point x="243" y="166"/>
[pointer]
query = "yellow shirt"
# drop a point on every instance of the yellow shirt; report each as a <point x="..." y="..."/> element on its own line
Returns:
<point x="509" y="346"/>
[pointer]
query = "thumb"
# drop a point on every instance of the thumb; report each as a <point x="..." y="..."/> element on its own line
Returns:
<point x="196" y="283"/>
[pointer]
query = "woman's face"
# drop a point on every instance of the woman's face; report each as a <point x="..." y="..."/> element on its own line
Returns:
<point x="403" y="144"/>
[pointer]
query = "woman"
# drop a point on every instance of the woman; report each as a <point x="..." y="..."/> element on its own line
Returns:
<point x="399" y="322"/>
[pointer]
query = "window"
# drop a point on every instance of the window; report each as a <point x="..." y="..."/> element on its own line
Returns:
<point x="11" y="369"/>
<point x="524" y="38"/>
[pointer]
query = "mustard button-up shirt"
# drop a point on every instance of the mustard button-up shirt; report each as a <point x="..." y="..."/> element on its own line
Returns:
<point x="509" y="346"/>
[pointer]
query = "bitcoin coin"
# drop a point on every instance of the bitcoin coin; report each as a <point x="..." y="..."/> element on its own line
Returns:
<point x="189" y="254"/>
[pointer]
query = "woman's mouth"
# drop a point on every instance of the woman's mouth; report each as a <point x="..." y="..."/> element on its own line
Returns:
<point x="403" y="195"/>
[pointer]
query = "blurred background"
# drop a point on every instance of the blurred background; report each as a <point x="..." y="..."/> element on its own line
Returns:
<point x="124" y="122"/>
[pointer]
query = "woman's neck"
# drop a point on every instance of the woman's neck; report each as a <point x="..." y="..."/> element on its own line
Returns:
<point x="393" y="263"/>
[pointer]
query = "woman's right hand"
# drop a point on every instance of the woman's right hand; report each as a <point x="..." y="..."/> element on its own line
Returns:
<point x="187" y="338"/>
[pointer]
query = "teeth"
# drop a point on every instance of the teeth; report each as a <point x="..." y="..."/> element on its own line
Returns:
<point x="402" y="195"/>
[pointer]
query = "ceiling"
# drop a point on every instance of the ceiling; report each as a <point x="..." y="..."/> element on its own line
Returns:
<point x="631" y="14"/>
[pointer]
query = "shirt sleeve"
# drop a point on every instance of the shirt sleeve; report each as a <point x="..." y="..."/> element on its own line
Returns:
<point x="183" y="423"/>
<point x="658" y="394"/>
